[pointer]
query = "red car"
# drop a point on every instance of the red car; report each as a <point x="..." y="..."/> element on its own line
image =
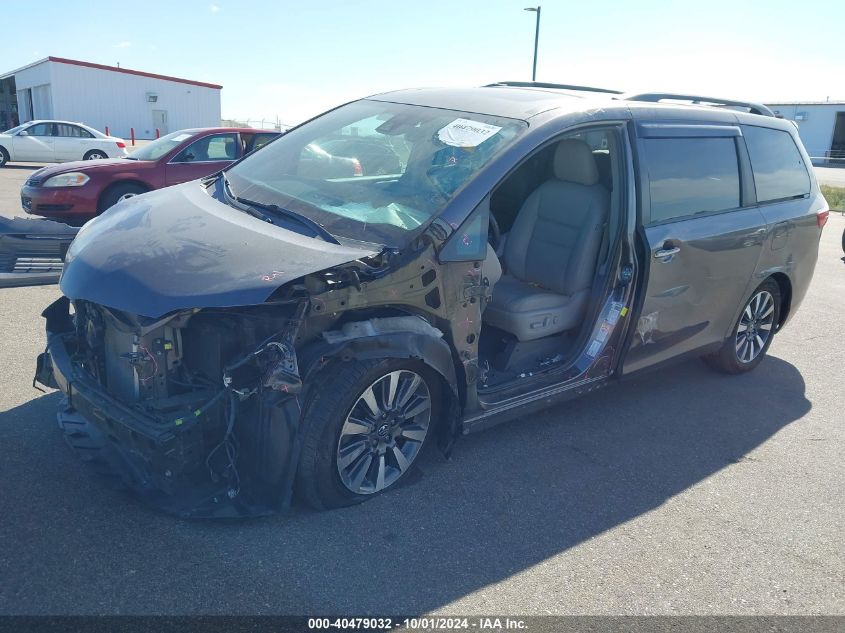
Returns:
<point x="76" y="192"/>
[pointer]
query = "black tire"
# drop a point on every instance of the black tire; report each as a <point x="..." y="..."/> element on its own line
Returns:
<point x="95" y="154"/>
<point x="843" y="241"/>
<point x="342" y="384"/>
<point x="116" y="193"/>
<point x="4" y="157"/>
<point x="729" y="359"/>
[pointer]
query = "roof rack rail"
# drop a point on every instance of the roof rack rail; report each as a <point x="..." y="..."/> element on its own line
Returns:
<point x="543" y="84"/>
<point x="654" y="97"/>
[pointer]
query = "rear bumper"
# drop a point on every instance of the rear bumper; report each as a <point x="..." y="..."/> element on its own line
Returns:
<point x="60" y="202"/>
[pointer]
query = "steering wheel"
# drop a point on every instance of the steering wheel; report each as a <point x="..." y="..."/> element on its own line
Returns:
<point x="494" y="235"/>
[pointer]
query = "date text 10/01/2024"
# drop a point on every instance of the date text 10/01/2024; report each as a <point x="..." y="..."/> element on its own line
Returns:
<point x="424" y="623"/>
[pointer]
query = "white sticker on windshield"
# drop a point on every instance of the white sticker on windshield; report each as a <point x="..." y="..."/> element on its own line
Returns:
<point x="466" y="133"/>
<point x="181" y="137"/>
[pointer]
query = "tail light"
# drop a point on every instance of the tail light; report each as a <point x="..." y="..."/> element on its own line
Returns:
<point x="121" y="145"/>
<point x="357" y="170"/>
<point x="822" y="216"/>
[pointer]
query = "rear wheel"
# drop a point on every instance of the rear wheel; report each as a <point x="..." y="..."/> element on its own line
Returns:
<point x="752" y="335"/>
<point x="119" y="192"/>
<point x="95" y="154"/>
<point x="4" y="157"/>
<point x="364" y="428"/>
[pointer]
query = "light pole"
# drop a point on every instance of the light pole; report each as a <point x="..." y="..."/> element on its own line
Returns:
<point x="536" y="40"/>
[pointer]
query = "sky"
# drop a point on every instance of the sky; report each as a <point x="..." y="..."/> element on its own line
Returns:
<point x="292" y="60"/>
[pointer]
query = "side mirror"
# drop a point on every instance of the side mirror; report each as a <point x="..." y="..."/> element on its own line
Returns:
<point x="23" y="133"/>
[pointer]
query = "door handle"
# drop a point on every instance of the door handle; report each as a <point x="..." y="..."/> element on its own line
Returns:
<point x="662" y="253"/>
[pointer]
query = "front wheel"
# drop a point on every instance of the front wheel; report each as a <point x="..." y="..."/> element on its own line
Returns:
<point x="364" y="428"/>
<point x="118" y="193"/>
<point x="752" y="335"/>
<point x="4" y="157"/>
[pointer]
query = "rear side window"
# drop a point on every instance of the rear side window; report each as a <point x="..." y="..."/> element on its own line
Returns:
<point x="261" y="140"/>
<point x="779" y="170"/>
<point x="73" y="131"/>
<point x="691" y="175"/>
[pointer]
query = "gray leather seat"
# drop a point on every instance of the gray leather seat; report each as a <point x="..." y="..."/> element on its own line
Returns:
<point x="551" y="251"/>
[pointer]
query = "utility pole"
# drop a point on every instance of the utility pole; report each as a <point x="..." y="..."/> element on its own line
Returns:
<point x="536" y="40"/>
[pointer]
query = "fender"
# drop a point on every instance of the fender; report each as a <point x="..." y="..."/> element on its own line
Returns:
<point x="389" y="337"/>
<point x="392" y="337"/>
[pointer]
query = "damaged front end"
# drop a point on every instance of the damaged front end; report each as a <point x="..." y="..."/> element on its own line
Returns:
<point x="175" y="408"/>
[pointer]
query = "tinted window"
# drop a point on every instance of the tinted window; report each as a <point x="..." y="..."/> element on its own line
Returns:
<point x="41" y="129"/>
<point x="261" y="140"/>
<point x="73" y="131"/>
<point x="210" y="148"/>
<point x="779" y="170"/>
<point x="691" y="175"/>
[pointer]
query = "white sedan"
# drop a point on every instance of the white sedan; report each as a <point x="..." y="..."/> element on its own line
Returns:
<point x="57" y="142"/>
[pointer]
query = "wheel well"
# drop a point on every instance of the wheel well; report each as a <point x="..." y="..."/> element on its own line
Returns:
<point x="385" y="311"/>
<point x="785" y="295"/>
<point x="119" y="183"/>
<point x="434" y="352"/>
<point x="5" y="151"/>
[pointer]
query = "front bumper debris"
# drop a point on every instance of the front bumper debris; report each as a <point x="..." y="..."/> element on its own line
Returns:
<point x="161" y="461"/>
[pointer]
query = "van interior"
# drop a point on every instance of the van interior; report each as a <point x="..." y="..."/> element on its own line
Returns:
<point x="554" y="226"/>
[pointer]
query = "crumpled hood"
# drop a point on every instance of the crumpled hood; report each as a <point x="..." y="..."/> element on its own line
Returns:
<point x="179" y="248"/>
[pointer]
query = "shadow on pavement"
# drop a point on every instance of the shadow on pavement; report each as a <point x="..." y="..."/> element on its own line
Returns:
<point x="510" y="498"/>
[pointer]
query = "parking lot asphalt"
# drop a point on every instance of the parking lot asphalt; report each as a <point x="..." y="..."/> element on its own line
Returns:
<point x="12" y="178"/>
<point x="680" y="491"/>
<point x="833" y="176"/>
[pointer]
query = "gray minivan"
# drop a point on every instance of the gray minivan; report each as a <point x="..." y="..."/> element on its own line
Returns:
<point x="274" y="327"/>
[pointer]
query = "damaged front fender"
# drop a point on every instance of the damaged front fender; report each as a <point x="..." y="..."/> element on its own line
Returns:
<point x="392" y="337"/>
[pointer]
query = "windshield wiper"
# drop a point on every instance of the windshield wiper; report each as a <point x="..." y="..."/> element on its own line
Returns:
<point x="293" y="215"/>
<point x="254" y="208"/>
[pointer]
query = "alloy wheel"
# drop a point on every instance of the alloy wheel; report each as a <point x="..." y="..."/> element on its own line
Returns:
<point x="755" y="326"/>
<point x="383" y="432"/>
<point x="96" y="156"/>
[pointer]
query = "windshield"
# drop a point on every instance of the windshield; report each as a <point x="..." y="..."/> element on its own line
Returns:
<point x="373" y="171"/>
<point x="16" y="129"/>
<point x="160" y="146"/>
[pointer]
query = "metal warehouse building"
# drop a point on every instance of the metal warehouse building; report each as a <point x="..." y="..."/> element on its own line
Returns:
<point x="821" y="126"/>
<point x="106" y="96"/>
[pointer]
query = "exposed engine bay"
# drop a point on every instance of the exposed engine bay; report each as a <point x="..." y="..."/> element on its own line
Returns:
<point x="204" y="404"/>
<point x="207" y="404"/>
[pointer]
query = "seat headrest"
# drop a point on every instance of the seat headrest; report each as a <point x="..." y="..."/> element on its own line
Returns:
<point x="574" y="162"/>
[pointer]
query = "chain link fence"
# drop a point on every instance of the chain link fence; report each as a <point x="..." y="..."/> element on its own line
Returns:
<point x="258" y="124"/>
